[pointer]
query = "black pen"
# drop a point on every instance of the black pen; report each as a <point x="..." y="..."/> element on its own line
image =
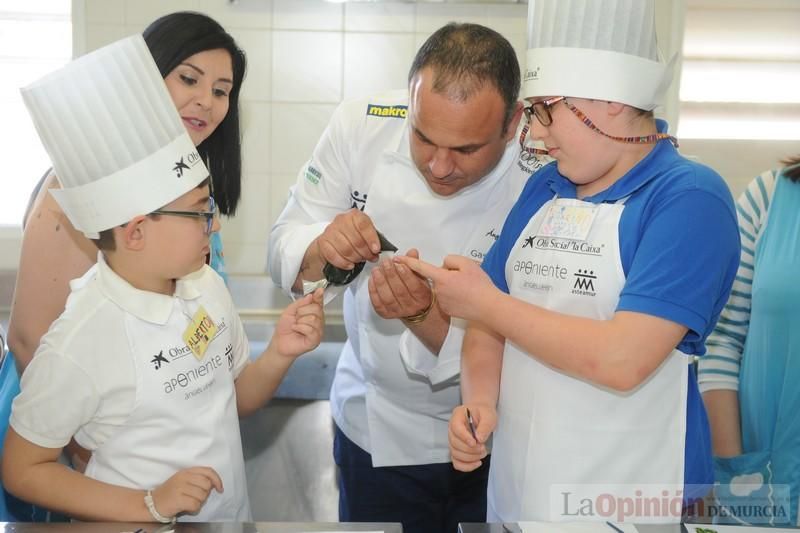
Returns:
<point x="615" y="528"/>
<point x="471" y="425"/>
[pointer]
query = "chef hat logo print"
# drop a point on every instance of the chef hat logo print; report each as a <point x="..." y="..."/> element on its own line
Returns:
<point x="191" y="159"/>
<point x="532" y="75"/>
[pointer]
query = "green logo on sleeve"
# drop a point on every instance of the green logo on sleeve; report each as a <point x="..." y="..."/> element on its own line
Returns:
<point x="313" y="175"/>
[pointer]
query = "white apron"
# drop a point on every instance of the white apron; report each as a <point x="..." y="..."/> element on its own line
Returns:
<point x="403" y="208"/>
<point x="184" y="415"/>
<point x="560" y="440"/>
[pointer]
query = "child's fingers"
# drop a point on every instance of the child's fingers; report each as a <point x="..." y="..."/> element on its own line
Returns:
<point x="309" y="321"/>
<point x="306" y="330"/>
<point x="210" y="474"/>
<point x="299" y="304"/>
<point x="313" y="309"/>
<point x="196" y="492"/>
<point x="318" y="296"/>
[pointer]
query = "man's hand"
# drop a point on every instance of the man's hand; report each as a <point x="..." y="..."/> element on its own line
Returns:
<point x="186" y="491"/>
<point x="462" y="287"/>
<point x="396" y="291"/>
<point x="349" y="239"/>
<point x="300" y="326"/>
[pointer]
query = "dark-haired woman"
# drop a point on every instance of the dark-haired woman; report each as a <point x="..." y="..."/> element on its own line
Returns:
<point x="749" y="376"/>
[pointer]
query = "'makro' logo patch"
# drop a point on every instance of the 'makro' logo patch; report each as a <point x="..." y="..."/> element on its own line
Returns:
<point x="399" y="111"/>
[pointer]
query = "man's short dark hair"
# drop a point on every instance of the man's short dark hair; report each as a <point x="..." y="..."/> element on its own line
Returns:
<point x="465" y="57"/>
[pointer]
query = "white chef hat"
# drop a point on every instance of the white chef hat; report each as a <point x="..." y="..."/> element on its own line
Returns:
<point x="598" y="49"/>
<point x="114" y="136"/>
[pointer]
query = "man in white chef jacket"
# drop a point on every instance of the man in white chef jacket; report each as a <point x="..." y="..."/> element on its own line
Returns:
<point x="435" y="169"/>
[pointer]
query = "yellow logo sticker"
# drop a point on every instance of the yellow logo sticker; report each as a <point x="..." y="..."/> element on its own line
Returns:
<point x="397" y="111"/>
<point x="200" y="332"/>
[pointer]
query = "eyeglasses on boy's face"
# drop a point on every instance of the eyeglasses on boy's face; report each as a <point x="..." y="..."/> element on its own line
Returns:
<point x="541" y="110"/>
<point x="208" y="215"/>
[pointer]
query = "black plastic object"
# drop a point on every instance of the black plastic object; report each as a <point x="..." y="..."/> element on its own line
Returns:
<point x="339" y="276"/>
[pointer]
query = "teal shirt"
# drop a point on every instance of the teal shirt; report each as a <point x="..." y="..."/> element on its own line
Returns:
<point x="757" y="347"/>
<point x="217" y="261"/>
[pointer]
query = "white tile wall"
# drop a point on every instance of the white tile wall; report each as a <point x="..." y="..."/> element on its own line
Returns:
<point x="375" y="62"/>
<point x="304" y="57"/>
<point x="279" y="187"/>
<point x="295" y="131"/>
<point x="256" y="211"/>
<point x="306" y="66"/>
<point x="508" y="19"/>
<point x="430" y="17"/>
<point x="307" y="15"/>
<point x="98" y="35"/>
<point x="388" y="17"/>
<point x="143" y="12"/>
<point x="105" y="11"/>
<point x="256" y="126"/>
<point x="254" y="14"/>
<point x="257" y="46"/>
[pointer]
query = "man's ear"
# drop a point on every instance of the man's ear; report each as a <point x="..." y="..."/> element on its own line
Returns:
<point x="511" y="127"/>
<point x="132" y="235"/>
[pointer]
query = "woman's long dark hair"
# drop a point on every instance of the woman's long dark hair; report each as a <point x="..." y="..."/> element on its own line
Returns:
<point x="171" y="39"/>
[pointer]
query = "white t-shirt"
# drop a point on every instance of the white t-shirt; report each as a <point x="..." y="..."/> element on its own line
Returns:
<point x="81" y="381"/>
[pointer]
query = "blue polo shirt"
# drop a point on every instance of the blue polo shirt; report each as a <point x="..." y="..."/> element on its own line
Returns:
<point x="679" y="246"/>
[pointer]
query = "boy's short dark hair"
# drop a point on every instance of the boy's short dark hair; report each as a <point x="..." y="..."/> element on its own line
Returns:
<point x="106" y="242"/>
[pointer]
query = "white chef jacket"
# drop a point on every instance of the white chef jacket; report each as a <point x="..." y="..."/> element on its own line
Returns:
<point x="391" y="395"/>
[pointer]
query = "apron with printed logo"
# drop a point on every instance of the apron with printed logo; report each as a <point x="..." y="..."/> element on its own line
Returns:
<point x="560" y="441"/>
<point x="184" y="415"/>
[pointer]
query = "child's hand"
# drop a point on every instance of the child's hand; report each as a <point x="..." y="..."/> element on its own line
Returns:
<point x="300" y="326"/>
<point x="186" y="491"/>
<point x="468" y="444"/>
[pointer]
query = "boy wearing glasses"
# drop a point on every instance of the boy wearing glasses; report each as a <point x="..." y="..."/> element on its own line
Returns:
<point x="148" y="366"/>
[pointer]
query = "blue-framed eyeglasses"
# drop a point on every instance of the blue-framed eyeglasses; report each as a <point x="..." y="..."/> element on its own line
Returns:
<point x="208" y="215"/>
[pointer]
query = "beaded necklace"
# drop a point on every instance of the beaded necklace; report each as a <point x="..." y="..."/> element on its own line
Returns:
<point x="638" y="139"/>
<point x="529" y="149"/>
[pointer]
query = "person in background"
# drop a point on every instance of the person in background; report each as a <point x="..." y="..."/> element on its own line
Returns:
<point x="747" y="376"/>
<point x="435" y="168"/>
<point x="148" y="366"/>
<point x="609" y="273"/>
<point x="203" y="69"/>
